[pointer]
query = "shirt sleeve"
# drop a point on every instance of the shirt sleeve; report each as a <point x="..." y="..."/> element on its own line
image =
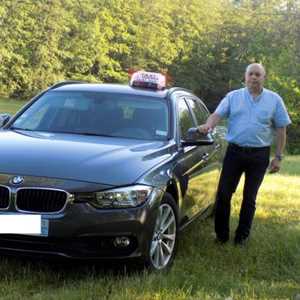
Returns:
<point x="281" y="117"/>
<point x="223" y="109"/>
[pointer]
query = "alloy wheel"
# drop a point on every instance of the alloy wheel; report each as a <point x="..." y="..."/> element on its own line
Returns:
<point x="164" y="237"/>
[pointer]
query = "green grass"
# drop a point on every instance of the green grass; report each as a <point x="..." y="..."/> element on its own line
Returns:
<point x="268" y="268"/>
<point x="10" y="106"/>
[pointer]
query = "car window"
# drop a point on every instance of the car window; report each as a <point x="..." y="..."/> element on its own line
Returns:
<point x="199" y="111"/>
<point x="37" y="117"/>
<point x="185" y="118"/>
<point x="117" y="115"/>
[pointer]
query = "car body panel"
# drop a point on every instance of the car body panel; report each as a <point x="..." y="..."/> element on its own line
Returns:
<point x="84" y="164"/>
<point x="75" y="157"/>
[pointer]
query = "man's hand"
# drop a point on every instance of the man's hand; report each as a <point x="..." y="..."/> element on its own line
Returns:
<point x="204" y="129"/>
<point x="274" y="166"/>
<point x="210" y="124"/>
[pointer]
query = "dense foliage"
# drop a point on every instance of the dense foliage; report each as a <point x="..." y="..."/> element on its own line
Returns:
<point x="203" y="45"/>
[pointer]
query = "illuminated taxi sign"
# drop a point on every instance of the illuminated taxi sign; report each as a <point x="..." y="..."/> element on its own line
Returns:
<point x="148" y="80"/>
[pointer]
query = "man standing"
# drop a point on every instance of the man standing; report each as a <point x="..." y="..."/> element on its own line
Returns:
<point x="253" y="112"/>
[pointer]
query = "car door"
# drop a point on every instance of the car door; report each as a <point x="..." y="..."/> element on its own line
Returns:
<point x="190" y="167"/>
<point x="204" y="185"/>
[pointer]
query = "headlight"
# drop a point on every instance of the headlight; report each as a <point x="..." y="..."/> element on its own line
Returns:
<point x="131" y="196"/>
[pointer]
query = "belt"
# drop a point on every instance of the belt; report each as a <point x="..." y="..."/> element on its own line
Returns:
<point x="247" y="149"/>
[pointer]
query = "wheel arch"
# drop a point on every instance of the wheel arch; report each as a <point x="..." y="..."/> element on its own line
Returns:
<point x="173" y="188"/>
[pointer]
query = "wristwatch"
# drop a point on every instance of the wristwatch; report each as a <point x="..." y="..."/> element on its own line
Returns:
<point x="279" y="157"/>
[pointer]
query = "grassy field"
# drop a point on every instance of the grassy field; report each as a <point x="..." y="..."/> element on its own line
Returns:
<point x="268" y="268"/>
<point x="10" y="106"/>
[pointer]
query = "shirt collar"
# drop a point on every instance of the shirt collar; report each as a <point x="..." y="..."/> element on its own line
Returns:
<point x="258" y="98"/>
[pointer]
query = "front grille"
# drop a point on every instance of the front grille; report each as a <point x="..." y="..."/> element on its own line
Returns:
<point x="4" y="197"/>
<point x="40" y="200"/>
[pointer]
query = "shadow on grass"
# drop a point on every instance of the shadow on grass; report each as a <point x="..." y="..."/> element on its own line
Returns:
<point x="269" y="266"/>
<point x="72" y="269"/>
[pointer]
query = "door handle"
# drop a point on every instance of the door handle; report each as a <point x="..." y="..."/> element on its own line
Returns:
<point x="205" y="156"/>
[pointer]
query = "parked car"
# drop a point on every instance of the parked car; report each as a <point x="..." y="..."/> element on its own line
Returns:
<point x="91" y="171"/>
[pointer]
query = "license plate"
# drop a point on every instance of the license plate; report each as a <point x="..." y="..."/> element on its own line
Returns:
<point x="24" y="224"/>
<point x="44" y="227"/>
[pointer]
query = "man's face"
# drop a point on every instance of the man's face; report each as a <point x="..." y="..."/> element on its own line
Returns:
<point x="255" y="77"/>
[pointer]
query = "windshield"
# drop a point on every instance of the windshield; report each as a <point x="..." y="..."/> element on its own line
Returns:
<point x="108" y="114"/>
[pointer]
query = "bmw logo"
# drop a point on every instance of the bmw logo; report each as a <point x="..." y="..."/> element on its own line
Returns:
<point x="17" y="180"/>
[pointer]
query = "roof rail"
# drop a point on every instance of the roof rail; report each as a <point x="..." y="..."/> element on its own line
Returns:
<point x="65" y="82"/>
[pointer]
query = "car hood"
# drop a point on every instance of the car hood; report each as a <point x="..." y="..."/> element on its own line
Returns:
<point x="112" y="161"/>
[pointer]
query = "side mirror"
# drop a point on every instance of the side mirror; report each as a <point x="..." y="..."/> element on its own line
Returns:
<point x="4" y="118"/>
<point x="195" y="138"/>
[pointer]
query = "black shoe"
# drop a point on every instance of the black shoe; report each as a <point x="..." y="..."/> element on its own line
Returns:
<point x="221" y="241"/>
<point x="241" y="241"/>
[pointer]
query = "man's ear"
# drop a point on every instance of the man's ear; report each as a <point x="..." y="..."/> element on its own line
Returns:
<point x="265" y="76"/>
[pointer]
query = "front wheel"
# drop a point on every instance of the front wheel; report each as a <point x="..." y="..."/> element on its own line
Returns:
<point x="163" y="245"/>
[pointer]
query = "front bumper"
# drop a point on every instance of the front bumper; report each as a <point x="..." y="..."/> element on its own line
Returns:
<point x="84" y="232"/>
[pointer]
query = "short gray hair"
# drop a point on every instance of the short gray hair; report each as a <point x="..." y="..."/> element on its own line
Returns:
<point x="257" y="65"/>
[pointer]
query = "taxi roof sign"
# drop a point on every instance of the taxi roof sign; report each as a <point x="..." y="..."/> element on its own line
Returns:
<point x="148" y="80"/>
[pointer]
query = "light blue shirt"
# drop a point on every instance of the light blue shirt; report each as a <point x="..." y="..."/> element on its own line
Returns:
<point x="251" y="122"/>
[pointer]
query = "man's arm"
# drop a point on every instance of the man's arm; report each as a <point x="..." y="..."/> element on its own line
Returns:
<point x="280" y="140"/>
<point x="280" y="145"/>
<point x="210" y="124"/>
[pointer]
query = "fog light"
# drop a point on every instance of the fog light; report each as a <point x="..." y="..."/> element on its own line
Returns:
<point x="121" y="241"/>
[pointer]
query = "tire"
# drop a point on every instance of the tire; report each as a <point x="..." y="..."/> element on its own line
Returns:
<point x="163" y="245"/>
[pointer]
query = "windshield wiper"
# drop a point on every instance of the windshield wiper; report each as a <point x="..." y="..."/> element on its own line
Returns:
<point x="67" y="132"/>
<point x="83" y="133"/>
<point x="19" y="128"/>
<point x="94" y="134"/>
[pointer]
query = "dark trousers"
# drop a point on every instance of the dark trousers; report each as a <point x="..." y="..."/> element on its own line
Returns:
<point x="238" y="160"/>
